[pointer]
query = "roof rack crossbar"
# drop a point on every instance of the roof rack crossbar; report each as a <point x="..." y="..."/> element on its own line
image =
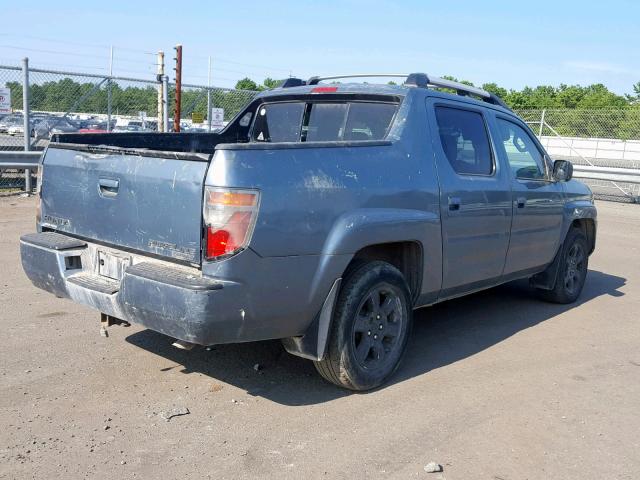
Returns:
<point x="457" y="86"/>
<point x="316" y="80"/>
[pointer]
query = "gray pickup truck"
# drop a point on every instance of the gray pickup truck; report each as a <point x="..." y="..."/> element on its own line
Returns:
<point x="322" y="215"/>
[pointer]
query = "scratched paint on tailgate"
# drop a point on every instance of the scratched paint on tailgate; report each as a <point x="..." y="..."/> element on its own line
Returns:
<point x="129" y="200"/>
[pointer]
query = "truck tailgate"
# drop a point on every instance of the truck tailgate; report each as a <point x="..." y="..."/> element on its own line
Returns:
<point x="134" y="199"/>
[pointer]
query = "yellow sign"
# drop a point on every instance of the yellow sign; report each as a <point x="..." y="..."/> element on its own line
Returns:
<point x="197" y="117"/>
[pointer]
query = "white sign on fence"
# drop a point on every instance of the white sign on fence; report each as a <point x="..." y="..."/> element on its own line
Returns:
<point x="217" y="117"/>
<point x="5" y="100"/>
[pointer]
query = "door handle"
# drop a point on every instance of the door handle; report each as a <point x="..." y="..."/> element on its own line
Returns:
<point x="454" y="204"/>
<point x="108" y="187"/>
<point x="521" y="201"/>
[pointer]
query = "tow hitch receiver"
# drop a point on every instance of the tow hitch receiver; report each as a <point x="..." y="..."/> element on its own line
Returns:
<point x="108" y="321"/>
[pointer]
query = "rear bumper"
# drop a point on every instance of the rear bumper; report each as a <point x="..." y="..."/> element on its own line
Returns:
<point x="173" y="300"/>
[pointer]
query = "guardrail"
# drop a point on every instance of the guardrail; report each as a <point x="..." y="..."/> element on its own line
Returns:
<point x="617" y="176"/>
<point x="29" y="161"/>
<point x="19" y="160"/>
<point x="612" y="174"/>
<point x="25" y="160"/>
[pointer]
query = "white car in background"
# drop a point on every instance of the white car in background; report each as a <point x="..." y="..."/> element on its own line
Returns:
<point x="16" y="129"/>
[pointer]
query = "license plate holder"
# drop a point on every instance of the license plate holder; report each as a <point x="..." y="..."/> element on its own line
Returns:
<point x="111" y="265"/>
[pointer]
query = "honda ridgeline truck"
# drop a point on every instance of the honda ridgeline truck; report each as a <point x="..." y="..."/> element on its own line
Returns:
<point x="322" y="215"/>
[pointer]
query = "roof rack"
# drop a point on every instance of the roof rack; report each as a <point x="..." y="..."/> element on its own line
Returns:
<point x="425" y="81"/>
<point x="420" y="80"/>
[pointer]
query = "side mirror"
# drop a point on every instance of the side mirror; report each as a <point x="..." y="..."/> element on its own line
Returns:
<point x="562" y="170"/>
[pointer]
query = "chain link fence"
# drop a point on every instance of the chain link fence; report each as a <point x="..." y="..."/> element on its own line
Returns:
<point x="597" y="137"/>
<point x="63" y="101"/>
<point x="66" y="101"/>
<point x="621" y="124"/>
<point x="196" y="98"/>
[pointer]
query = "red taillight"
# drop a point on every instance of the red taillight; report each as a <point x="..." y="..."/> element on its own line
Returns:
<point x="230" y="238"/>
<point x="229" y="217"/>
<point x="324" y="90"/>
<point x="217" y="242"/>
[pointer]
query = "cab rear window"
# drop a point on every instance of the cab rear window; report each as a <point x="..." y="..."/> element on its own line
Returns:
<point x="322" y="121"/>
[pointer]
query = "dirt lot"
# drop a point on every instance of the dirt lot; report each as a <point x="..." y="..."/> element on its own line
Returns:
<point x="495" y="386"/>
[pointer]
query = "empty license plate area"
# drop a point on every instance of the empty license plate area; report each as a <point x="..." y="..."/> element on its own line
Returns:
<point x="112" y="266"/>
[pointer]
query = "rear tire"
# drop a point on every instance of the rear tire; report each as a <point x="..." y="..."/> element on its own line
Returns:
<point x="572" y="271"/>
<point x="370" y="327"/>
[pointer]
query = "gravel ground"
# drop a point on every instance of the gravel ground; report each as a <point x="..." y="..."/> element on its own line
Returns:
<point x="497" y="385"/>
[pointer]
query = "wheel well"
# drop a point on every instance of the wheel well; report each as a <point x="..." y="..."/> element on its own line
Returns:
<point x="588" y="227"/>
<point x="405" y="256"/>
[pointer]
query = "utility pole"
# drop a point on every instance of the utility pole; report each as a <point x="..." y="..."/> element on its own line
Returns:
<point x="161" y="105"/>
<point x="209" y="98"/>
<point x="176" y="117"/>
<point x="109" y="89"/>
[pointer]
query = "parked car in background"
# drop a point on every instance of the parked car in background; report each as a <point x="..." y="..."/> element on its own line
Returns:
<point x="94" y="127"/>
<point x="195" y="129"/>
<point x="10" y="120"/>
<point x="127" y="128"/>
<point x="132" y="126"/>
<point x="17" y="127"/>
<point x="124" y="125"/>
<point x="322" y="215"/>
<point x="51" y="125"/>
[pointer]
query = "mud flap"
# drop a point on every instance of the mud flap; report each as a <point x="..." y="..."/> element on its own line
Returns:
<point x="313" y="344"/>
<point x="546" y="280"/>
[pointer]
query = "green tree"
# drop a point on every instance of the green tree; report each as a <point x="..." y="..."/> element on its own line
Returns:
<point x="270" y="83"/>
<point x="246" y="84"/>
<point x="636" y="93"/>
<point x="495" y="89"/>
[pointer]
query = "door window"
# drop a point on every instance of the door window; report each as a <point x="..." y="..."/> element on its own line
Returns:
<point x="525" y="159"/>
<point x="464" y="139"/>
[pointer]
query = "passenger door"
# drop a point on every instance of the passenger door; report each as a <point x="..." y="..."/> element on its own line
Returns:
<point x="475" y="197"/>
<point x="537" y="199"/>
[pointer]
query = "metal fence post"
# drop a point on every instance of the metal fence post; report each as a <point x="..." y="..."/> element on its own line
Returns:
<point x="209" y="109"/>
<point x="109" y="105"/>
<point x="165" y="101"/>
<point x="161" y="106"/>
<point x="25" y="118"/>
<point x="209" y="98"/>
<point x="109" y="89"/>
<point x="544" y="111"/>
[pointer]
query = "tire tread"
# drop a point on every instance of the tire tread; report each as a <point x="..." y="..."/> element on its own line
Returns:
<point x="331" y="368"/>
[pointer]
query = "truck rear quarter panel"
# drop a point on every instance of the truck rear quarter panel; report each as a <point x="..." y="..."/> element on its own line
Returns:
<point x="332" y="200"/>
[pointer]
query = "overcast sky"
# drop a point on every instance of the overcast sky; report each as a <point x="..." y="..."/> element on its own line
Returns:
<point x="512" y="43"/>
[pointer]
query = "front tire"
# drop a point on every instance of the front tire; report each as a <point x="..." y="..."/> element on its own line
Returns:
<point x="370" y="327"/>
<point x="572" y="270"/>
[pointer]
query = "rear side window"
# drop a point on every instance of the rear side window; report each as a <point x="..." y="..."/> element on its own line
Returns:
<point x="278" y="122"/>
<point x="322" y="121"/>
<point x="464" y="140"/>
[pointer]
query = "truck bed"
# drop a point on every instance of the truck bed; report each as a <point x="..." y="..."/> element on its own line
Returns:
<point x="168" y="142"/>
